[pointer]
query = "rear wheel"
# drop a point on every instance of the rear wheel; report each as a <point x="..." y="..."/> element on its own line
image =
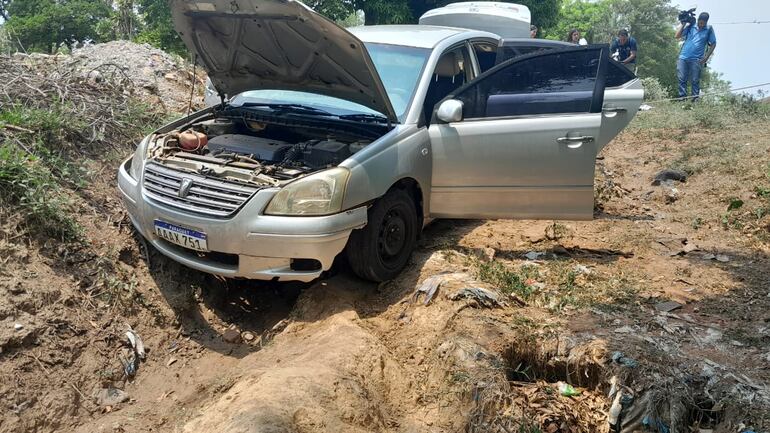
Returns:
<point x="379" y="251"/>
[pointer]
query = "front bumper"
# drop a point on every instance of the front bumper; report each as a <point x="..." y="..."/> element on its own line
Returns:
<point x="255" y="246"/>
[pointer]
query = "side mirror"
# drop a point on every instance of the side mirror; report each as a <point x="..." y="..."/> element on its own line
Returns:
<point x="450" y="111"/>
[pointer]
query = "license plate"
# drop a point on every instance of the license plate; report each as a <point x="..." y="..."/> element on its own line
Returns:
<point x="181" y="236"/>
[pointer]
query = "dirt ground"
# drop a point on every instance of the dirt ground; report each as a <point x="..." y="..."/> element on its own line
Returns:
<point x="587" y="308"/>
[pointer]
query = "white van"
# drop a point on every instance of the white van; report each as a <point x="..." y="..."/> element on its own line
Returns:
<point x="508" y="20"/>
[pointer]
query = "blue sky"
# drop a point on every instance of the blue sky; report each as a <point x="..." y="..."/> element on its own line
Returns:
<point x="742" y="53"/>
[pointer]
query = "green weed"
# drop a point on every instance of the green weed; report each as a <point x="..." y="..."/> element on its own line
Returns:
<point x="26" y="184"/>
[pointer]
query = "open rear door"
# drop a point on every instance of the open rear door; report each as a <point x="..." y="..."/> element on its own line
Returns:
<point x="527" y="142"/>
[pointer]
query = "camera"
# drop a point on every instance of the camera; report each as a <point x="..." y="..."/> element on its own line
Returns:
<point x="687" y="17"/>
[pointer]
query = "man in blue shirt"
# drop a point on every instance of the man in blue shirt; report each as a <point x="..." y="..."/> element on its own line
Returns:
<point x="694" y="54"/>
<point x="625" y="48"/>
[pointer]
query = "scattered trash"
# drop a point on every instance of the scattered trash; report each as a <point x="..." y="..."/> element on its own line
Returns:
<point x="669" y="174"/>
<point x="18" y="326"/>
<point x="668" y="306"/>
<point x="130" y="363"/>
<point x="533" y="255"/>
<point x="615" y="409"/>
<point x="170" y="362"/>
<point x="136" y="343"/>
<point x="672" y="195"/>
<point x="655" y="424"/>
<point x="486" y="298"/>
<point x="625" y="330"/>
<point x="231" y="336"/>
<point x="429" y="288"/>
<point x="620" y="358"/>
<point x="567" y="390"/>
<point x="645" y="107"/>
<point x="583" y="269"/>
<point x="110" y="396"/>
<point x="718" y="257"/>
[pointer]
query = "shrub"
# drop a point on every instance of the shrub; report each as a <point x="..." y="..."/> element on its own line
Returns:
<point x="654" y="90"/>
<point x="28" y="186"/>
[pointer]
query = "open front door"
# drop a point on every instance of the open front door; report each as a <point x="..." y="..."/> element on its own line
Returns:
<point x="526" y="144"/>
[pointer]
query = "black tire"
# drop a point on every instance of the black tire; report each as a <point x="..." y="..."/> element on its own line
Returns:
<point x="379" y="251"/>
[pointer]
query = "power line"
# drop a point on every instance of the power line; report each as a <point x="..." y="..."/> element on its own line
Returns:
<point x="742" y="22"/>
<point x="714" y="93"/>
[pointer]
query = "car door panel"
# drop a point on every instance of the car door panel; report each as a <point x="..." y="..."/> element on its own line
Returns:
<point x="527" y="145"/>
<point x="509" y="184"/>
<point x="620" y="106"/>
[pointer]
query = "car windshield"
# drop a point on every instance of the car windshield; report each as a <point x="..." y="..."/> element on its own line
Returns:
<point x="399" y="68"/>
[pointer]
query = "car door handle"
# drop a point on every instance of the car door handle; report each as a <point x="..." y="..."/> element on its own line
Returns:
<point x="613" y="111"/>
<point x="575" y="142"/>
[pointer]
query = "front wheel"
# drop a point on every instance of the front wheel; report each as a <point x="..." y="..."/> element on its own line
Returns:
<point x="379" y="251"/>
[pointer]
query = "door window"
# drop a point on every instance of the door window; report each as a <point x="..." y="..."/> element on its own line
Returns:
<point x="486" y="54"/>
<point x="618" y="75"/>
<point x="453" y="71"/>
<point x="555" y="82"/>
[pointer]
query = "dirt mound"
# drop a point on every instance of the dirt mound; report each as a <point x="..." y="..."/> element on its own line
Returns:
<point x="154" y="73"/>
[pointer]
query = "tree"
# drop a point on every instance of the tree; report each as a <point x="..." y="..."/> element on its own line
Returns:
<point x="582" y="15"/>
<point x="651" y="23"/>
<point x="158" y="27"/>
<point x="44" y="25"/>
<point x="545" y="13"/>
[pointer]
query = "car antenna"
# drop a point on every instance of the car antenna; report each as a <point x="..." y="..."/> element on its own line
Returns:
<point x="192" y="88"/>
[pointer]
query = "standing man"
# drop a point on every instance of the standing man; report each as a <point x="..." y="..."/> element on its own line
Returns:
<point x="625" y="47"/>
<point x="694" y="54"/>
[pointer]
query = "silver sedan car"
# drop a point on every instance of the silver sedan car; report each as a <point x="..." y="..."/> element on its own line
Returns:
<point x="349" y="141"/>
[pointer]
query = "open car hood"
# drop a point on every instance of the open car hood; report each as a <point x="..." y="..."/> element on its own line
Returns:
<point x="278" y="44"/>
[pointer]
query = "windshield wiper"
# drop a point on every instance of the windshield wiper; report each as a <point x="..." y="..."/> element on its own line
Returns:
<point x="294" y="108"/>
<point x="373" y="117"/>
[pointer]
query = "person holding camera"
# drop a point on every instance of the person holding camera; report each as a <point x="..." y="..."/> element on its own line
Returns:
<point x="623" y="50"/>
<point x="699" y="45"/>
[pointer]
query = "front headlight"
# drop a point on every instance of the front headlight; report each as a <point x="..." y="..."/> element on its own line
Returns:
<point x="318" y="194"/>
<point x="137" y="162"/>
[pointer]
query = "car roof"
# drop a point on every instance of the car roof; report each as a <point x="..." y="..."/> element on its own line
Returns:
<point x="413" y="35"/>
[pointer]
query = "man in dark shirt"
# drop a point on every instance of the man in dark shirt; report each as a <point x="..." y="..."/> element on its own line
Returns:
<point x="625" y="48"/>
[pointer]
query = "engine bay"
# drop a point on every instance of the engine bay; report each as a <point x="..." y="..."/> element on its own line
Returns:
<point x="234" y="147"/>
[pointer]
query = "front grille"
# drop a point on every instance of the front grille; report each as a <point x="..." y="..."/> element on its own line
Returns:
<point x="205" y="195"/>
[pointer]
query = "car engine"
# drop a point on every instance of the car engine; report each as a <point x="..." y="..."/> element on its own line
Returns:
<point x="243" y="150"/>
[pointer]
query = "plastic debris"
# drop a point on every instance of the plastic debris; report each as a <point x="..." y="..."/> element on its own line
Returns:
<point x="485" y="298"/>
<point x="718" y="257"/>
<point x="668" y="306"/>
<point x="136" y="343"/>
<point x="533" y="255"/>
<point x="625" y="330"/>
<point x="620" y="358"/>
<point x="668" y="175"/>
<point x="429" y="288"/>
<point x="110" y="396"/>
<point x="18" y="326"/>
<point x="656" y="424"/>
<point x="583" y="269"/>
<point x="567" y="390"/>
<point x="645" y="107"/>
